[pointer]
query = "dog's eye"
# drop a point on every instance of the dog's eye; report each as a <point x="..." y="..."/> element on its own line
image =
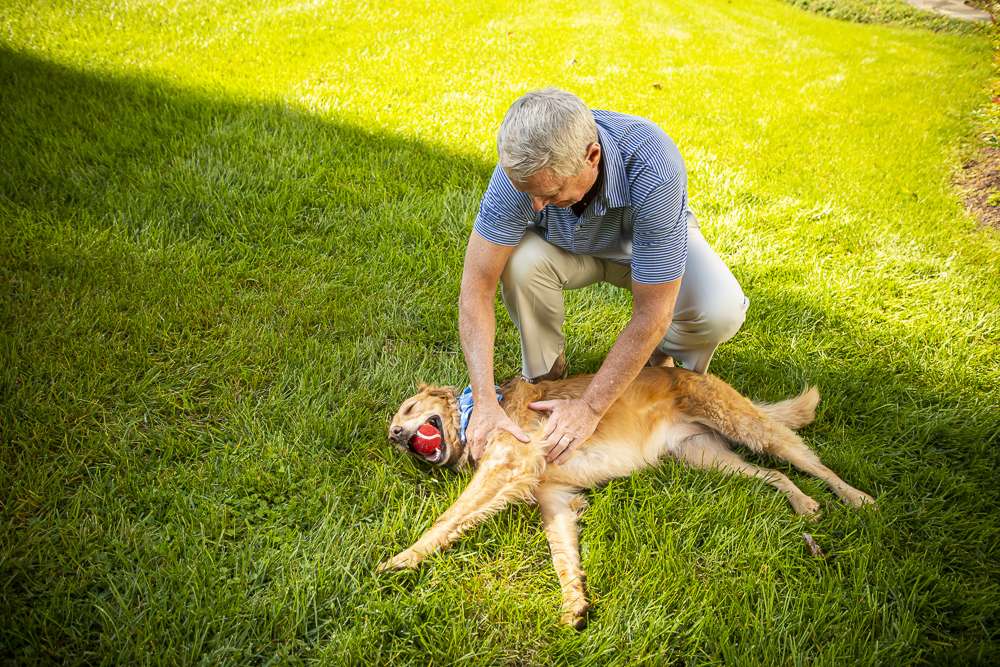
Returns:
<point x="409" y="409"/>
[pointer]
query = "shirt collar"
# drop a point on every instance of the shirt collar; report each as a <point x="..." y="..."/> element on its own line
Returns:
<point x="615" y="193"/>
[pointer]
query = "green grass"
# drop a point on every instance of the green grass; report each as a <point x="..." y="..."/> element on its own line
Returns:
<point x="230" y="243"/>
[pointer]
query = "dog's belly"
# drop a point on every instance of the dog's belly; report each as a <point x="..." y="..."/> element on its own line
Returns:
<point x="609" y="455"/>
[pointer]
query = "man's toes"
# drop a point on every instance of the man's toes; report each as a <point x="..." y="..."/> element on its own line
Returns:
<point x="386" y="566"/>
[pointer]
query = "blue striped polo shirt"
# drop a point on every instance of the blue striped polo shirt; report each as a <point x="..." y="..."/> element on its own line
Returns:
<point x="638" y="218"/>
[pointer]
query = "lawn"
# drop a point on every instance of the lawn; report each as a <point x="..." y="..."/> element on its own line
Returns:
<point x="231" y="236"/>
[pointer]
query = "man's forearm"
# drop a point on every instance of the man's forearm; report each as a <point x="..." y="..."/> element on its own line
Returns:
<point x="477" y="330"/>
<point x="624" y="361"/>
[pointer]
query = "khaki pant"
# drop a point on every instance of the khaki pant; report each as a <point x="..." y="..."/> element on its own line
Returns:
<point x="710" y="307"/>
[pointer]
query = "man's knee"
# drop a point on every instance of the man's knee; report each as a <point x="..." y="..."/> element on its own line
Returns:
<point x="721" y="320"/>
<point x="713" y="322"/>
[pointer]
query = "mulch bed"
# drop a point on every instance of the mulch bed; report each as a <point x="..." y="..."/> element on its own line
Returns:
<point x="978" y="180"/>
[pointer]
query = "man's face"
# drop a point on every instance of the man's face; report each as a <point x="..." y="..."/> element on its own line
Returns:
<point x="546" y="188"/>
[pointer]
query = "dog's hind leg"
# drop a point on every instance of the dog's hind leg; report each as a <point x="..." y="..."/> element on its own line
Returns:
<point x="724" y="409"/>
<point x="509" y="471"/>
<point x="793" y="450"/>
<point x="559" y="516"/>
<point x="708" y="450"/>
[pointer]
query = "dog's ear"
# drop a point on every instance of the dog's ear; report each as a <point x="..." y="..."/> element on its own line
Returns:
<point x="434" y="390"/>
<point x="441" y="392"/>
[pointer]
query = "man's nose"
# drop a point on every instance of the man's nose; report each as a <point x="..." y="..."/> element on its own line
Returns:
<point x="537" y="203"/>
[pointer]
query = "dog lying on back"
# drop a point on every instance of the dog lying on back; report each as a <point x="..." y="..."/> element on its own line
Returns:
<point x="665" y="411"/>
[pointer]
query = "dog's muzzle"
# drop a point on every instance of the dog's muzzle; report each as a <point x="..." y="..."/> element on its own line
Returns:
<point x="404" y="438"/>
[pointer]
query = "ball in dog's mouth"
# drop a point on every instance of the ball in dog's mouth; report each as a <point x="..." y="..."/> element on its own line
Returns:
<point x="428" y="441"/>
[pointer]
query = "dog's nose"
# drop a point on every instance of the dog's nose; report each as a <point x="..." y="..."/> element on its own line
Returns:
<point x="395" y="432"/>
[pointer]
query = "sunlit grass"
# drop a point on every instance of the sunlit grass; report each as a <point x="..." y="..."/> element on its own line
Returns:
<point x="230" y="242"/>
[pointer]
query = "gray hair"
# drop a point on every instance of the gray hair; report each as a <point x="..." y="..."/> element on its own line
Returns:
<point x="545" y="129"/>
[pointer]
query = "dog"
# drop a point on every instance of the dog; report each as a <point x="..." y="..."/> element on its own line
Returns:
<point x="665" y="411"/>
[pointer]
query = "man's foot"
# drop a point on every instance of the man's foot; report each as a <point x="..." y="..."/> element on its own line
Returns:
<point x="559" y="371"/>
<point x="660" y="360"/>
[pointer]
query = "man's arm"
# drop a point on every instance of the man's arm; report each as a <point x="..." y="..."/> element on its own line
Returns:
<point x="484" y="262"/>
<point x="652" y="311"/>
<point x="573" y="421"/>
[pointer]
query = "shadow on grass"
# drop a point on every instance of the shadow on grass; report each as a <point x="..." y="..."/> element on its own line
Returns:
<point x="144" y="223"/>
<point x="205" y="304"/>
<point x="181" y="272"/>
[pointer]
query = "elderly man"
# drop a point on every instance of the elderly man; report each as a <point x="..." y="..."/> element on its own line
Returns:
<point x="578" y="197"/>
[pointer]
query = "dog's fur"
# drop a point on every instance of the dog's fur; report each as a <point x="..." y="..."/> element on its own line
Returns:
<point x="664" y="411"/>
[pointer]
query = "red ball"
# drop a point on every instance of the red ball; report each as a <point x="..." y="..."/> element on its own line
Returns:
<point x="427" y="439"/>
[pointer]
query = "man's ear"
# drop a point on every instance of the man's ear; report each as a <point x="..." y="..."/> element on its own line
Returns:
<point x="594" y="154"/>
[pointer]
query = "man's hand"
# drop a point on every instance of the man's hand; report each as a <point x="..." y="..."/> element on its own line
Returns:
<point x="486" y="419"/>
<point x="570" y="422"/>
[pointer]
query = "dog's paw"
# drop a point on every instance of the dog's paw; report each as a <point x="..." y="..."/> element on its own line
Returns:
<point x="405" y="560"/>
<point x="575" y="614"/>
<point x="860" y="499"/>
<point x="806" y="506"/>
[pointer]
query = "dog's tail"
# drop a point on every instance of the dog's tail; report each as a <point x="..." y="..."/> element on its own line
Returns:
<point x="794" y="412"/>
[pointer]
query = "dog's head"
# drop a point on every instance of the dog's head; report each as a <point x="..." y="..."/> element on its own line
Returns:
<point x="437" y="406"/>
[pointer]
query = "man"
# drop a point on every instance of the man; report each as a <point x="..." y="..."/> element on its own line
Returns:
<point x="578" y="197"/>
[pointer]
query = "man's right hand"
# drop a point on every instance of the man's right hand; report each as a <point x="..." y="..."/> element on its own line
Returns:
<point x="486" y="419"/>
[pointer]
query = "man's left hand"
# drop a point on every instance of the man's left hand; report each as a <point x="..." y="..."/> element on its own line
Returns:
<point x="571" y="421"/>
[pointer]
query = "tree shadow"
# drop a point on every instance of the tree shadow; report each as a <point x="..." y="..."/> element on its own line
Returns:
<point x="127" y="193"/>
<point x="200" y="296"/>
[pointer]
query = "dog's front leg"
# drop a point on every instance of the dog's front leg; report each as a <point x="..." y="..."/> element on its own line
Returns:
<point x="509" y="471"/>
<point x="557" y="504"/>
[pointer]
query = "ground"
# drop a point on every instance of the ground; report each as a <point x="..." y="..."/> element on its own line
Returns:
<point x="231" y="237"/>
<point x="978" y="180"/>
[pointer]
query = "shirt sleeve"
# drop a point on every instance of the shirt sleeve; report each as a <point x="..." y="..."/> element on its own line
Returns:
<point x="504" y="213"/>
<point x="659" y="234"/>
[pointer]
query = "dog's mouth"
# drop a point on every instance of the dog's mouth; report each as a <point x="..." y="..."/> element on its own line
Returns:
<point x="431" y="447"/>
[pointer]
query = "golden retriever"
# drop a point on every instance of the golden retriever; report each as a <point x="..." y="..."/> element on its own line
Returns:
<point x="665" y="411"/>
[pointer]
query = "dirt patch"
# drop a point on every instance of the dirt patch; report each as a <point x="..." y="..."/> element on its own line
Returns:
<point x="991" y="6"/>
<point x="979" y="182"/>
<point x="979" y="179"/>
